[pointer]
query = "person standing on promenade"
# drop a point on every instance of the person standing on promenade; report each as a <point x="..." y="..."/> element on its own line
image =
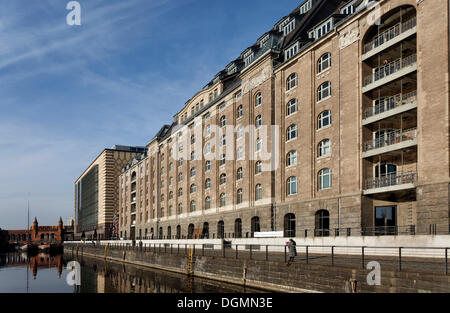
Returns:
<point x="292" y="249"/>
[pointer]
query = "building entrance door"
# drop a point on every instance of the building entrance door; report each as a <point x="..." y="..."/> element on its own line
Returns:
<point x="386" y="221"/>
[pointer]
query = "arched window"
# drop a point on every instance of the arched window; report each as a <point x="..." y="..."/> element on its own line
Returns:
<point x="171" y="195"/>
<point x="223" y="179"/>
<point x="291" y="107"/>
<point x="324" y="63"/>
<point x="191" y="229"/>
<point x="208" y="183"/>
<point x="258" y="192"/>
<point x="160" y="233"/>
<point x="258" y="144"/>
<point x="180" y="208"/>
<point x="223" y="200"/>
<point x="291" y="186"/>
<point x="193" y="206"/>
<point x="258" y="167"/>
<point x="180" y="177"/>
<point x="324" y="148"/>
<point x="180" y="192"/>
<point x="205" y="231"/>
<point x="193" y="157"/>
<point x="324" y="119"/>
<point x="324" y="91"/>
<point x="324" y="179"/>
<point x="240" y="173"/>
<point x="289" y="225"/>
<point x="255" y="226"/>
<point x="322" y="225"/>
<point x="178" y="232"/>
<point x="238" y="228"/>
<point x="291" y="132"/>
<point x="208" y="203"/>
<point x="133" y="177"/>
<point x="240" y="195"/>
<point x="163" y="197"/>
<point x="291" y="82"/>
<point x="193" y="171"/>
<point x="193" y="188"/>
<point x="170" y="210"/>
<point x="162" y="212"/>
<point x="169" y="232"/>
<point x="258" y="99"/>
<point x="291" y="158"/>
<point x="223" y="121"/>
<point x="240" y="111"/>
<point x="192" y="139"/>
<point x="220" y="230"/>
<point x="208" y="166"/>
<point x="258" y="121"/>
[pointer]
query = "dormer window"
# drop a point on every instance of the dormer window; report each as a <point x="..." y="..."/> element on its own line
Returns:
<point x="264" y="40"/>
<point x="348" y="9"/>
<point x="249" y="59"/>
<point x="231" y="69"/>
<point x="289" y="27"/>
<point x="289" y="53"/>
<point x="323" y="29"/>
<point x="306" y="7"/>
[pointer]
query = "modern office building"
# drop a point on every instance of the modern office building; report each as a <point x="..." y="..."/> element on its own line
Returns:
<point x="97" y="192"/>
<point x="335" y="121"/>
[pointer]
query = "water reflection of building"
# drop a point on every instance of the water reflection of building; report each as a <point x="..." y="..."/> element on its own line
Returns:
<point x="34" y="263"/>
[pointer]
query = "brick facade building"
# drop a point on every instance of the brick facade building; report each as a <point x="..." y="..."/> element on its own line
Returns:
<point x="336" y="119"/>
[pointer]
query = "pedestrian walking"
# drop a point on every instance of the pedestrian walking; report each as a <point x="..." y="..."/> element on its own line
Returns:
<point x="292" y="249"/>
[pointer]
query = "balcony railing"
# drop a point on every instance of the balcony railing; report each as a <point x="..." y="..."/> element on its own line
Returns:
<point x="389" y="180"/>
<point x="391" y="138"/>
<point x="390" y="34"/>
<point x="390" y="103"/>
<point x="390" y="68"/>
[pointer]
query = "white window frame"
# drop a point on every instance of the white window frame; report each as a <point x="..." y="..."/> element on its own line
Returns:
<point x="291" y="158"/>
<point x="293" y="103"/>
<point x="290" y="184"/>
<point x="289" y="132"/>
<point x="324" y="91"/>
<point x="324" y="63"/>
<point x="325" y="148"/>
<point x="292" y="81"/>
<point x="324" y="116"/>
<point x="326" y="172"/>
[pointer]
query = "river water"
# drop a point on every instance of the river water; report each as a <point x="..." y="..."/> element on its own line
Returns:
<point x="45" y="273"/>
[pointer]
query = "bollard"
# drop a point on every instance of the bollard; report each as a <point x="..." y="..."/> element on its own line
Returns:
<point x="307" y="255"/>
<point x="267" y="253"/>
<point x="399" y="259"/>
<point x="362" y="257"/>
<point x="237" y="249"/>
<point x="285" y="254"/>
<point x="332" y="256"/>
<point x="446" y="261"/>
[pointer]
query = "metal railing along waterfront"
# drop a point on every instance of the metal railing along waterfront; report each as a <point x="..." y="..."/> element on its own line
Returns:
<point x="390" y="68"/>
<point x="389" y="180"/>
<point x="391" y="138"/>
<point x="417" y="259"/>
<point x="390" y="103"/>
<point x="390" y="34"/>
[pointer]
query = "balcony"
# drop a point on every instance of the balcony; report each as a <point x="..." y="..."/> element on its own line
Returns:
<point x="390" y="106"/>
<point x="389" y="72"/>
<point x="390" y="182"/>
<point x="391" y="141"/>
<point x="389" y="37"/>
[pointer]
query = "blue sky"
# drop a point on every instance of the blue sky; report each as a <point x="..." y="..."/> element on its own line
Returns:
<point x="68" y="92"/>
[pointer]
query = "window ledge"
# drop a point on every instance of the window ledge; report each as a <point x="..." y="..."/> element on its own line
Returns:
<point x="324" y="99"/>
